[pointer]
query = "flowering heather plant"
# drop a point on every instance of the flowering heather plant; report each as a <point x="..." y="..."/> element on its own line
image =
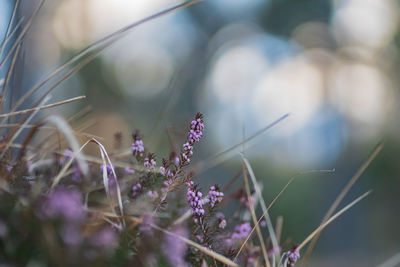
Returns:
<point x="57" y="209"/>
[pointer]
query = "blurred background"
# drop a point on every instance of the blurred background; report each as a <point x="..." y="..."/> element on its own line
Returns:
<point x="332" y="64"/>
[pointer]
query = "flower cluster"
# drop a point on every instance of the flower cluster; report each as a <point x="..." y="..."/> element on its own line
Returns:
<point x="109" y="170"/>
<point x="129" y="171"/>
<point x="195" y="133"/>
<point x="195" y="199"/>
<point x="63" y="203"/>
<point x="241" y="231"/>
<point x="106" y="239"/>
<point x="214" y="195"/>
<point x="221" y="220"/>
<point x="136" y="190"/>
<point x="274" y="250"/>
<point x="153" y="194"/>
<point x="292" y="256"/>
<point x="137" y="144"/>
<point x="166" y="185"/>
<point x="149" y="161"/>
<point x="110" y="174"/>
<point x="76" y="174"/>
<point x="147" y="221"/>
<point x="164" y="170"/>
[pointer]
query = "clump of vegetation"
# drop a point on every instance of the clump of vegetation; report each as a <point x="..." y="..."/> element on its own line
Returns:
<point x="62" y="207"/>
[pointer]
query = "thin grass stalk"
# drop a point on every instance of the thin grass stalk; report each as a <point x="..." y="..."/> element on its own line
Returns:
<point x="25" y="111"/>
<point x="224" y="155"/>
<point x="253" y="215"/>
<point x="392" y="261"/>
<point x="331" y="219"/>
<point x="16" y="134"/>
<point x="23" y="32"/>
<point x="204" y="250"/>
<point x="9" y="73"/>
<point x="340" y="197"/>
<point x="10" y="22"/>
<point x="263" y="207"/>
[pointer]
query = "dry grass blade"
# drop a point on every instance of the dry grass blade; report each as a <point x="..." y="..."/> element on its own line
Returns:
<point x="392" y="261"/>
<point x="340" y="197"/>
<point x="106" y="161"/>
<point x="100" y="45"/>
<point x="204" y="250"/>
<point x="253" y="216"/>
<point x="331" y="219"/>
<point x="23" y="32"/>
<point x="291" y="180"/>
<point x="42" y="107"/>
<point x="9" y="72"/>
<point x="10" y="22"/>
<point x="49" y="128"/>
<point x="263" y="207"/>
<point x="61" y="124"/>
<point x="278" y="228"/>
<point x="16" y="134"/>
<point x="13" y="31"/>
<point x="60" y="175"/>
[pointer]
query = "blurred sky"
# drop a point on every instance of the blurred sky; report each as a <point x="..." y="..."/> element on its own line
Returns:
<point x="331" y="64"/>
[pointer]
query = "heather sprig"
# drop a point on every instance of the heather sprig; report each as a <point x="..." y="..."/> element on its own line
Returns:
<point x="137" y="145"/>
<point x="195" y="200"/>
<point x="150" y="161"/>
<point x="194" y="135"/>
<point x="292" y="256"/>
<point x="214" y="195"/>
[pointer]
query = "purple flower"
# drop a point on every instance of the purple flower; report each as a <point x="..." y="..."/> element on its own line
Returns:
<point x="274" y="250"/>
<point x="129" y="171"/>
<point x="152" y="194"/>
<point x="63" y="203"/>
<point x="162" y="170"/>
<point x="176" y="161"/>
<point x="241" y="231"/>
<point x="263" y="223"/>
<point x="110" y="174"/>
<point x="68" y="154"/>
<point x="136" y="190"/>
<point x="147" y="220"/>
<point x="214" y="195"/>
<point x="149" y="161"/>
<point x="137" y="145"/>
<point x="200" y="238"/>
<point x="222" y="224"/>
<point x="71" y="235"/>
<point x="106" y="238"/>
<point x="9" y="168"/>
<point x="292" y="256"/>
<point x="195" y="134"/>
<point x="165" y="171"/>
<point x="188" y="148"/>
<point x="195" y="199"/>
<point x="174" y="248"/>
<point x="221" y="220"/>
<point x="76" y="174"/>
<point x="109" y="169"/>
<point x="166" y="185"/>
